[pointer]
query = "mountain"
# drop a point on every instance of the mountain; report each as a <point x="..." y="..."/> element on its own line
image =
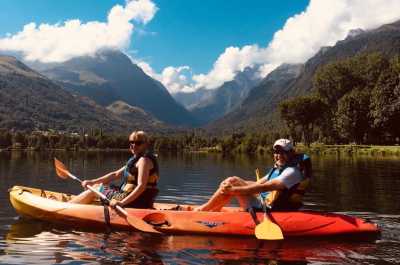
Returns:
<point x="85" y="83"/>
<point x="109" y="76"/>
<point x="208" y="105"/>
<point x="261" y="101"/>
<point x="191" y="99"/>
<point x="30" y="101"/>
<point x="226" y="97"/>
<point x="258" y="112"/>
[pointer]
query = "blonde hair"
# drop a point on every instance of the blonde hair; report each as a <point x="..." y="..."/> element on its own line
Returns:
<point x="140" y="136"/>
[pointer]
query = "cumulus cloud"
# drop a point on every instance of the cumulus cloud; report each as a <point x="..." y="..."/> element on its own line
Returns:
<point x="231" y="61"/>
<point x="173" y="78"/>
<point x="60" y="42"/>
<point x="323" y="23"/>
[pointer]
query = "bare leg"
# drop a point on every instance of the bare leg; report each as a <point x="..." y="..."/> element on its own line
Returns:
<point x="223" y="203"/>
<point x="245" y="199"/>
<point x="85" y="197"/>
<point x="219" y="199"/>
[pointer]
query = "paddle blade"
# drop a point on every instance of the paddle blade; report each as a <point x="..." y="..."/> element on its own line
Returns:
<point x="268" y="230"/>
<point x="258" y="174"/>
<point x="61" y="170"/>
<point x="140" y="224"/>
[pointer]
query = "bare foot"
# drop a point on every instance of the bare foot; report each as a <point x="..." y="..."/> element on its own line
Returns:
<point x="61" y="199"/>
<point x="52" y="197"/>
<point x="198" y="209"/>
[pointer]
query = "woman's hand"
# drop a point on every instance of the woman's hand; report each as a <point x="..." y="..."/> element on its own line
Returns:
<point x="113" y="203"/>
<point x="87" y="182"/>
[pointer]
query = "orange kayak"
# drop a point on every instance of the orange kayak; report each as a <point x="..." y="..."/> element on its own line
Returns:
<point x="169" y="218"/>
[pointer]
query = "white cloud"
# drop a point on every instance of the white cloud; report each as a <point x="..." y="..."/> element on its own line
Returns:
<point x="60" y="42"/>
<point x="173" y="78"/>
<point x="231" y="61"/>
<point x="322" y="24"/>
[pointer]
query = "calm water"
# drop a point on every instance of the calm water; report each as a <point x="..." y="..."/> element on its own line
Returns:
<point x="362" y="186"/>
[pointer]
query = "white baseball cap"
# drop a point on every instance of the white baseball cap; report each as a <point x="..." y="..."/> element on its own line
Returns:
<point x="285" y="144"/>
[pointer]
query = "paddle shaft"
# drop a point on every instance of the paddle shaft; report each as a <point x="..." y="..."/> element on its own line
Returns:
<point x="101" y="195"/>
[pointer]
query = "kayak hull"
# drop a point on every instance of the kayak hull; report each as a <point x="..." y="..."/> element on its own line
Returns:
<point x="36" y="203"/>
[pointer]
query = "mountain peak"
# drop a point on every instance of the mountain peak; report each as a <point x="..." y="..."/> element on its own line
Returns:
<point x="122" y="80"/>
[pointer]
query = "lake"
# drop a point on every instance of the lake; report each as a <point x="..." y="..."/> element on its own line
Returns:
<point x="362" y="186"/>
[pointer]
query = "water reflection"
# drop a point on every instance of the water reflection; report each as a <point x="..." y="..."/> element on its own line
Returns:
<point x="50" y="243"/>
<point x="363" y="186"/>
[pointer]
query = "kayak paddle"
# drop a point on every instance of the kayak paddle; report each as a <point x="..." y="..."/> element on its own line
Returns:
<point x="136" y="222"/>
<point x="267" y="230"/>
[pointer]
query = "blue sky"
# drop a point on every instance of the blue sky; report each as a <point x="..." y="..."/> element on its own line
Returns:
<point x="187" y="44"/>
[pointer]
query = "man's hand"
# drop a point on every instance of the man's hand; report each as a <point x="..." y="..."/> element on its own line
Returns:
<point x="226" y="188"/>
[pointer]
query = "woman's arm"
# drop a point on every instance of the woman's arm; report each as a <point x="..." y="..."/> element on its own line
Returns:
<point x="108" y="178"/>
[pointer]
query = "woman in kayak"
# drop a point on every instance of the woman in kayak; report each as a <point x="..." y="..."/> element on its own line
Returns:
<point x="140" y="175"/>
<point x="252" y="194"/>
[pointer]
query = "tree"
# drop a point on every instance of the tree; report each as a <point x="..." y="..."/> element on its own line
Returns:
<point x="335" y="81"/>
<point x="332" y="82"/>
<point x="305" y="112"/>
<point x="41" y="142"/>
<point x="228" y="143"/>
<point x="248" y="144"/>
<point x="5" y="140"/>
<point x="20" y="139"/>
<point x="385" y="103"/>
<point x="367" y="68"/>
<point x="352" y="116"/>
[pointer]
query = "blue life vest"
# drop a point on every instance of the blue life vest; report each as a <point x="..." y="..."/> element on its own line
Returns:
<point x="289" y="199"/>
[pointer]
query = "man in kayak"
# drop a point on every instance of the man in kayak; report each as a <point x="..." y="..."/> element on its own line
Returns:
<point x="252" y="194"/>
<point x="140" y="176"/>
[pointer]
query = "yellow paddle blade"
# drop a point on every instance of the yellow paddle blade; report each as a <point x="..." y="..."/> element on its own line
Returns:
<point x="268" y="230"/>
<point x="61" y="170"/>
<point x="258" y="174"/>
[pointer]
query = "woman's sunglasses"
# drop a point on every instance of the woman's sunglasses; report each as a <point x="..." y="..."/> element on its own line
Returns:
<point x="137" y="143"/>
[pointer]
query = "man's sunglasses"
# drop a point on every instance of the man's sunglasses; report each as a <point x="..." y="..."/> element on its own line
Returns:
<point x="282" y="152"/>
<point x="137" y="143"/>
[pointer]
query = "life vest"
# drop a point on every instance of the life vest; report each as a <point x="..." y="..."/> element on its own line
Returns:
<point x="289" y="200"/>
<point x="131" y="174"/>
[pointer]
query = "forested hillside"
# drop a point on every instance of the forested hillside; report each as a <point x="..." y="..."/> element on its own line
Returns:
<point x="259" y="111"/>
<point x="110" y="75"/>
<point x="353" y="101"/>
<point x="355" y="81"/>
<point x="31" y="102"/>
